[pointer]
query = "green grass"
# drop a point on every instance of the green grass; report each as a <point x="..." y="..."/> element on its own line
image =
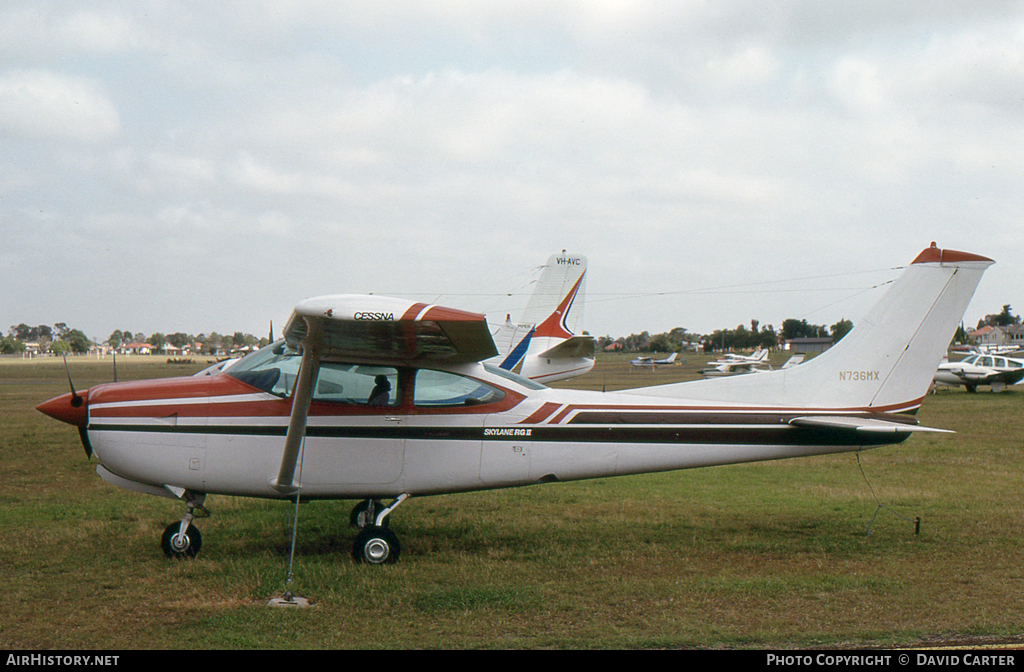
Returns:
<point x="759" y="555"/>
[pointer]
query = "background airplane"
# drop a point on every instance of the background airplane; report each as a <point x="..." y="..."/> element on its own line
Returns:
<point x="545" y="344"/>
<point x="981" y="369"/>
<point x="650" y="362"/>
<point x="733" y="364"/>
<point x="375" y="399"/>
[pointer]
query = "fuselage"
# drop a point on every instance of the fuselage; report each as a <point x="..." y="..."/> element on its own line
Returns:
<point x="445" y="429"/>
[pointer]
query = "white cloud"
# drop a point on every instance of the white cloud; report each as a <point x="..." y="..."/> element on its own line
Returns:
<point x="44" y="105"/>
<point x="320" y="138"/>
<point x="41" y="30"/>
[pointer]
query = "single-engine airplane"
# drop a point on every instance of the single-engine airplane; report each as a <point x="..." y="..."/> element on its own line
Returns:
<point x="544" y="345"/>
<point x="981" y="369"/>
<point x="651" y="362"/>
<point x="379" y="399"/>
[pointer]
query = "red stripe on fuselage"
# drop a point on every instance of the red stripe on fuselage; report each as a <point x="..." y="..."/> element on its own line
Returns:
<point x="788" y="410"/>
<point x="210" y="397"/>
<point x="542" y="413"/>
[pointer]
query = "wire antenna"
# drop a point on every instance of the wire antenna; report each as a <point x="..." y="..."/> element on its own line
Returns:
<point x="916" y="520"/>
<point x="290" y="600"/>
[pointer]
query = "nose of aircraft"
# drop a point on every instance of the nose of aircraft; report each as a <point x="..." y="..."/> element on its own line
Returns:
<point x="69" y="408"/>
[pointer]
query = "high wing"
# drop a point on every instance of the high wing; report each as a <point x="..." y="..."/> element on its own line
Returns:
<point x="371" y="329"/>
<point x="381" y="329"/>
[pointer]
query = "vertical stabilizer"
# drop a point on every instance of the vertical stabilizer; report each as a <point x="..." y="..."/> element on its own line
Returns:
<point x="543" y="344"/>
<point x="886" y="363"/>
<point x="556" y="305"/>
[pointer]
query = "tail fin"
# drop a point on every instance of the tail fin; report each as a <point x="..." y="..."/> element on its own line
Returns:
<point x="538" y="345"/>
<point x="886" y="363"/>
<point x="556" y="306"/>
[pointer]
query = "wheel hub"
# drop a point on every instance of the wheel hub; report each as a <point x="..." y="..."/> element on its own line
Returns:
<point x="377" y="551"/>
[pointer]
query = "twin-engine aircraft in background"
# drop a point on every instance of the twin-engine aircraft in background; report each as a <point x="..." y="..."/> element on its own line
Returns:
<point x="736" y="365"/>
<point x="997" y="371"/>
<point x="382" y="400"/>
<point x="545" y="345"/>
<point x="732" y="364"/>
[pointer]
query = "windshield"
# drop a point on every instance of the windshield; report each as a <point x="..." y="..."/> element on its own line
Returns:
<point x="272" y="369"/>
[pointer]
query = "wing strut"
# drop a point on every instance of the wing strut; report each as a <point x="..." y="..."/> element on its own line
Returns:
<point x="310" y="365"/>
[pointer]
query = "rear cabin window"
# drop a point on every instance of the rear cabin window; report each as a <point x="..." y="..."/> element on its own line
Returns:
<point x="440" y="389"/>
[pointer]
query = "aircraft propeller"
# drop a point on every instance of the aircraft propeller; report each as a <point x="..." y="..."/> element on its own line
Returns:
<point x="76" y="402"/>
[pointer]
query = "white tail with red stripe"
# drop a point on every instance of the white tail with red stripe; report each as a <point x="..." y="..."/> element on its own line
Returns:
<point x="886" y="363"/>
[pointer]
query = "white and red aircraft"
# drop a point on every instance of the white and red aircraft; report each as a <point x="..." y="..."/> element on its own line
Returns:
<point x="545" y="345"/>
<point x="377" y="399"/>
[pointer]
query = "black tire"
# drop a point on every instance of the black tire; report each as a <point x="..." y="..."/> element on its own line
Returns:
<point x="181" y="548"/>
<point x="376" y="546"/>
<point x="358" y="517"/>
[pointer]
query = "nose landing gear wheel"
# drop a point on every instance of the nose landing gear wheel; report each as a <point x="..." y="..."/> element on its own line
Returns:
<point x="176" y="545"/>
<point x="376" y="546"/>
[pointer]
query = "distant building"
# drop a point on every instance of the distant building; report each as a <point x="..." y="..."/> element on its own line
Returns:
<point x="808" y="346"/>
<point x="1009" y="335"/>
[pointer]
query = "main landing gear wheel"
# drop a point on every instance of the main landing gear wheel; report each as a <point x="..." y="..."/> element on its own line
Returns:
<point x="364" y="512"/>
<point x="178" y="545"/>
<point x="376" y="546"/>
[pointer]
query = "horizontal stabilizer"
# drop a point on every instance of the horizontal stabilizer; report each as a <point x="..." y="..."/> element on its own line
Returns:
<point x="572" y="348"/>
<point x="862" y="424"/>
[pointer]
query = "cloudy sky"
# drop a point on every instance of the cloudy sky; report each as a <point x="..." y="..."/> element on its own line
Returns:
<point x="181" y="166"/>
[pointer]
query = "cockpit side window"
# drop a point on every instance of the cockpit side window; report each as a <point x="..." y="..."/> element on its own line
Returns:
<point x="357" y="384"/>
<point x="440" y="389"/>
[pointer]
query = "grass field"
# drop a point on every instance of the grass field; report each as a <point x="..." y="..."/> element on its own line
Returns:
<point x="760" y="555"/>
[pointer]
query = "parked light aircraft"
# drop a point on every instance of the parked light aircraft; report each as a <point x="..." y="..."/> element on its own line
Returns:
<point x="380" y="399"/>
<point x="981" y="369"/>
<point x="650" y="362"/>
<point x="732" y="364"/>
<point x="544" y="345"/>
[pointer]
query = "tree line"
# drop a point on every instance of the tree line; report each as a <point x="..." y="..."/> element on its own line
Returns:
<point x="741" y="338"/>
<point x="61" y="339"/>
<point x="758" y="336"/>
